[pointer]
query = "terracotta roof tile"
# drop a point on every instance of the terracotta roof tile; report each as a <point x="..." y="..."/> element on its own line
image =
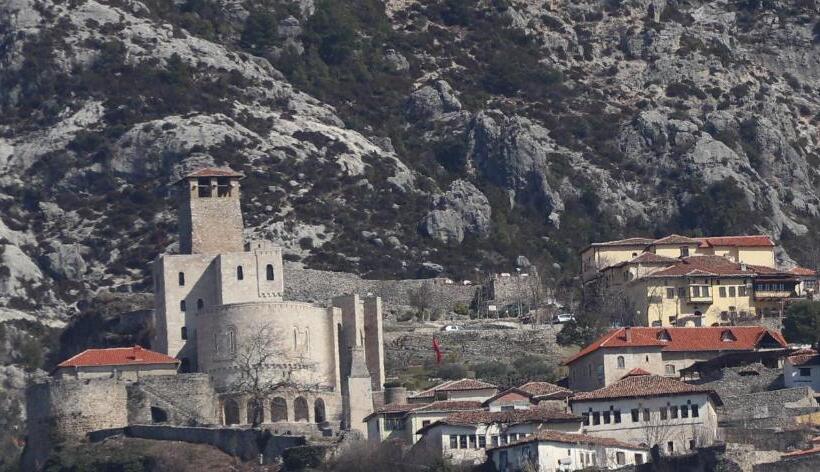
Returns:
<point x="805" y="357"/>
<point x="675" y="239"/>
<point x="635" y="386"/>
<point x="455" y="385"/>
<point x="713" y="265"/>
<point x="803" y="271"/>
<point x="737" y="241"/>
<point x="540" y="389"/>
<point x="682" y="339"/>
<point x="135" y="355"/>
<point x="571" y="438"/>
<point x="636" y="372"/>
<point x="508" y="417"/>
<point x="625" y="242"/>
<point x="449" y="405"/>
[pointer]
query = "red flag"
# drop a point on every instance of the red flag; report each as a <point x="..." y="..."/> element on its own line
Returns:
<point x="437" y="349"/>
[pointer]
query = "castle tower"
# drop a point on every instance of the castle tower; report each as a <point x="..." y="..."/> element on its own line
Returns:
<point x="210" y="217"/>
<point x="357" y="395"/>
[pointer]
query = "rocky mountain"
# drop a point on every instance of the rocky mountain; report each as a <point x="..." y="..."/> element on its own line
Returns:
<point x="396" y="138"/>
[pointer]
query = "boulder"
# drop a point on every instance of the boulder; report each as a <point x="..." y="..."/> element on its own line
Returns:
<point x="431" y="101"/>
<point x="67" y="260"/>
<point x="522" y="261"/>
<point x="395" y="61"/>
<point x="462" y="210"/>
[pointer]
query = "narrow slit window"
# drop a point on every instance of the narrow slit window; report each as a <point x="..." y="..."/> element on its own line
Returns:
<point x="182" y="305"/>
<point x="240" y="274"/>
<point x="200" y="304"/>
<point x="181" y="279"/>
<point x="269" y="272"/>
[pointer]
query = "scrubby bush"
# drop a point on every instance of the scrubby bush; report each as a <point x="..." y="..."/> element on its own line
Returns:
<point x="451" y="371"/>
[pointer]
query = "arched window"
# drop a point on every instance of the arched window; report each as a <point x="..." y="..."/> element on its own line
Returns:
<point x="300" y="409"/>
<point x="269" y="272"/>
<point x="182" y="305"/>
<point x="231" y="411"/>
<point x="319" y="411"/>
<point x="181" y="278"/>
<point x="240" y="275"/>
<point x="621" y="362"/>
<point x="278" y="409"/>
<point x="256" y="414"/>
<point x="200" y="304"/>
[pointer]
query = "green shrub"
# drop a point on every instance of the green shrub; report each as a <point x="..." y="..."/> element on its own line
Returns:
<point x="451" y="371"/>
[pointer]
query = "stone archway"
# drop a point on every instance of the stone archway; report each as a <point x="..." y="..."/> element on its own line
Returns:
<point x="300" y="409"/>
<point x="256" y="412"/>
<point x="278" y="409"/>
<point x="319" y="415"/>
<point x="231" y="411"/>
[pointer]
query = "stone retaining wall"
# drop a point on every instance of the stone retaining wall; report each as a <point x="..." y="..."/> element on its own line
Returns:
<point x="772" y="404"/>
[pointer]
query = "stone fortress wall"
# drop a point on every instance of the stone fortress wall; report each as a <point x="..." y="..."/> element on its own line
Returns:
<point x="318" y="286"/>
<point x="59" y="410"/>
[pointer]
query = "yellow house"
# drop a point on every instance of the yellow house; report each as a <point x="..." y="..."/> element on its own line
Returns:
<point x="756" y="250"/>
<point x="697" y="290"/>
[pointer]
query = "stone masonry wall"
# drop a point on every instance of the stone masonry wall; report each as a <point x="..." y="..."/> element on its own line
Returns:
<point x="776" y="403"/>
<point x="187" y="399"/>
<point x="319" y="286"/>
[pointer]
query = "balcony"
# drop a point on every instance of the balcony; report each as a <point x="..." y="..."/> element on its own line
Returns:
<point x="772" y="294"/>
<point x="774" y="289"/>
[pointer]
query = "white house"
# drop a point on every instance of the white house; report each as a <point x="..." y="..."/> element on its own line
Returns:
<point x="548" y="451"/>
<point x="464" y="436"/>
<point x="802" y="369"/>
<point x="463" y="389"/>
<point x="402" y="421"/>
<point x="650" y="410"/>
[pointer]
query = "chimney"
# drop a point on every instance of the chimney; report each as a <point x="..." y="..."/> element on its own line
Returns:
<point x="628" y="334"/>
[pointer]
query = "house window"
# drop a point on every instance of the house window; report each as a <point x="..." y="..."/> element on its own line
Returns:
<point x="684" y="411"/>
<point x="639" y="458"/>
<point x="472" y="441"/>
<point x="596" y="418"/>
<point x="586" y="418"/>
<point x="669" y="369"/>
<point x="617" y="416"/>
<point x="670" y="293"/>
<point x="607" y="418"/>
<point x="684" y="252"/>
<point x="663" y="412"/>
<point x="200" y="304"/>
<point x="240" y="274"/>
<point x="805" y="372"/>
<point x="673" y="412"/>
<point x="621" y="362"/>
<point x="692" y="444"/>
<point x="184" y="333"/>
<point x="620" y="458"/>
<point x="731" y="291"/>
<point x="269" y="272"/>
<point x="182" y="305"/>
<point x="453" y="441"/>
<point x="635" y="415"/>
<point x="741" y="291"/>
<point x="646" y="414"/>
<point x="722" y="292"/>
<point x="482" y="442"/>
<point x="681" y="292"/>
<point x="181" y="279"/>
<point x="494" y="440"/>
<point x="670" y="447"/>
<point x="425" y="423"/>
<point x="503" y="439"/>
<point x="695" y="412"/>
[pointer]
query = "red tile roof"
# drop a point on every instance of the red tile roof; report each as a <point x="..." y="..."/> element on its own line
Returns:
<point x="760" y="240"/>
<point x="675" y="239"/>
<point x="682" y="339"/>
<point x="804" y="357"/>
<point x="804" y="452"/>
<point x="571" y="438"/>
<point x="637" y="371"/>
<point x="541" y="389"/>
<point x="713" y="266"/>
<point x="508" y="417"/>
<point x="638" y="386"/>
<point x="454" y="386"/>
<point x="448" y="405"/>
<point x="136" y="355"/>
<point x="803" y="271"/>
<point x="625" y="242"/>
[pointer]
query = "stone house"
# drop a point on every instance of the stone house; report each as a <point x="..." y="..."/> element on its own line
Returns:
<point x="661" y="351"/>
<point x="548" y="451"/>
<point x="215" y="297"/>
<point x="126" y="363"/>
<point x="465" y="436"/>
<point x="650" y="410"/>
<point x="756" y="250"/>
<point x="463" y="389"/>
<point x="403" y="421"/>
<point x="802" y="369"/>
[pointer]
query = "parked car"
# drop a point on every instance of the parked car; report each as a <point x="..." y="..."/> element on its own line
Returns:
<point x="450" y="328"/>
<point x="562" y="318"/>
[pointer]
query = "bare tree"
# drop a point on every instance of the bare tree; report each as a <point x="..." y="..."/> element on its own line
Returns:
<point x="263" y="366"/>
<point x="421" y="298"/>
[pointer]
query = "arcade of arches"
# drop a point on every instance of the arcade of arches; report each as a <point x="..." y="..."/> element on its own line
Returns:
<point x="237" y="411"/>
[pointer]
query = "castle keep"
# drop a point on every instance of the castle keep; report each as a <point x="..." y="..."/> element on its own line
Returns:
<point x="216" y="295"/>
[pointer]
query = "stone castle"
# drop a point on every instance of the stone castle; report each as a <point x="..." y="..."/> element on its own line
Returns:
<point x="214" y="301"/>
